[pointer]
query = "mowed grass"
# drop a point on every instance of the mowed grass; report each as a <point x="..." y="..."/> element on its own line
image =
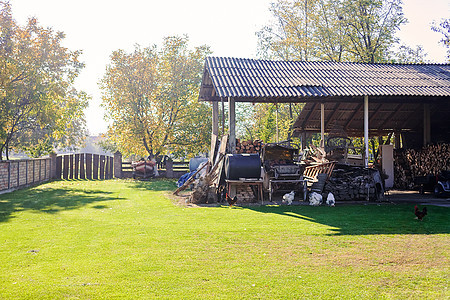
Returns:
<point x="121" y="239"/>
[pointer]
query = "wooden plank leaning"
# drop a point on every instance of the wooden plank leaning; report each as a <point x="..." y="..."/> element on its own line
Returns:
<point x="189" y="181"/>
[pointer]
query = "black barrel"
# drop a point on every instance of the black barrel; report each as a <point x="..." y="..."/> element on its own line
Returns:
<point x="242" y="166"/>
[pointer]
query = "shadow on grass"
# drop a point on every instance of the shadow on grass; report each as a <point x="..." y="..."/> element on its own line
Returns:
<point x="154" y="184"/>
<point x="367" y="219"/>
<point x="50" y="200"/>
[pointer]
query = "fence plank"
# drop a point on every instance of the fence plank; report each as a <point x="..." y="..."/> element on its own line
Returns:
<point x="95" y="159"/>
<point x="58" y="166"/>
<point x="111" y="167"/>
<point x="102" y="167"/>
<point x="66" y="167"/>
<point x="71" y="166"/>
<point x="77" y="165"/>
<point x="106" y="167"/>
<point x="82" y="170"/>
<point x="88" y="165"/>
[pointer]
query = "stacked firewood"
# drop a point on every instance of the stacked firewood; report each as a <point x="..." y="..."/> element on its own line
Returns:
<point x="410" y="163"/>
<point x="353" y="183"/>
<point x="245" y="194"/>
<point x="249" y="146"/>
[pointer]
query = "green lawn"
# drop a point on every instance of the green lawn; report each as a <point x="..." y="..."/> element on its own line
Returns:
<point x="123" y="239"/>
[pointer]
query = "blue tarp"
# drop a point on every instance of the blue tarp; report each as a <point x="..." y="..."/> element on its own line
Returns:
<point x="184" y="178"/>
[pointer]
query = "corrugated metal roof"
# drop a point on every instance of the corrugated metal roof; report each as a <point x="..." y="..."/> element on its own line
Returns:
<point x="262" y="79"/>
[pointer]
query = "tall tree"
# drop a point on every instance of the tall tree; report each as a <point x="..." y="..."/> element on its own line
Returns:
<point x="39" y="106"/>
<point x="335" y="30"/>
<point x="444" y="28"/>
<point x="150" y="95"/>
<point x="327" y="30"/>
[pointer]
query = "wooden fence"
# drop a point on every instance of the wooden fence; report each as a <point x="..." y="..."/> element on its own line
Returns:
<point x="16" y="174"/>
<point x="84" y="166"/>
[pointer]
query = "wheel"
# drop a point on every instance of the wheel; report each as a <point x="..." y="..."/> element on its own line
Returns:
<point x="438" y="190"/>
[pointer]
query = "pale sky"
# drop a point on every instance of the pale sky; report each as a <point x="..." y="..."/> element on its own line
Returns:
<point x="99" y="27"/>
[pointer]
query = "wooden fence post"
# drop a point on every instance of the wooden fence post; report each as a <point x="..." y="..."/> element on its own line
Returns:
<point x="102" y="167"/>
<point x="58" y="167"/>
<point x="169" y="168"/>
<point x="71" y="166"/>
<point x="88" y="165"/>
<point x="53" y="165"/>
<point x="77" y="165"/>
<point x="82" y="170"/>
<point x="66" y="167"/>
<point x="95" y="159"/>
<point x="118" y="165"/>
<point x="111" y="167"/>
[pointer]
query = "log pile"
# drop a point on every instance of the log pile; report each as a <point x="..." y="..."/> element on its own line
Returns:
<point x="248" y="147"/>
<point x="245" y="194"/>
<point x="314" y="155"/>
<point x="352" y="183"/>
<point x="410" y="163"/>
<point x="202" y="192"/>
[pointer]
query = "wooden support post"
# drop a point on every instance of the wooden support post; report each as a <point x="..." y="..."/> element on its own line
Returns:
<point x="276" y="121"/>
<point x="215" y="118"/>
<point x="223" y="117"/>
<point x="303" y="140"/>
<point x="232" y="124"/>
<point x="397" y="144"/>
<point x="426" y="124"/>
<point x="366" y="130"/>
<point x="322" y="125"/>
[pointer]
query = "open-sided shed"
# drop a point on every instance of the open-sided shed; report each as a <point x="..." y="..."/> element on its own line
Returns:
<point x="361" y="98"/>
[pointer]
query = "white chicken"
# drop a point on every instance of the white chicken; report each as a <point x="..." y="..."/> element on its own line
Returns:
<point x="315" y="199"/>
<point x="288" y="198"/>
<point x="330" y="199"/>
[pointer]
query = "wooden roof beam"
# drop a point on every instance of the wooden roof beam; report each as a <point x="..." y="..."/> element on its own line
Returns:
<point x="333" y="114"/>
<point x="392" y="114"/>
<point x="308" y="116"/>
<point x="375" y="113"/>
<point x="357" y="110"/>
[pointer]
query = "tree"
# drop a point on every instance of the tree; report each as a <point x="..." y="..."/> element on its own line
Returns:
<point x="328" y="30"/>
<point x="150" y="95"/>
<point x="444" y="28"/>
<point x="333" y="30"/>
<point x="408" y="55"/>
<point x="40" y="109"/>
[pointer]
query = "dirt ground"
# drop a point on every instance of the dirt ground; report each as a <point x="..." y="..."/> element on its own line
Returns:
<point x="392" y="196"/>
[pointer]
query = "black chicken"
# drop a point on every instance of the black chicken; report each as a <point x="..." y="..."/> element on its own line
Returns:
<point x="420" y="214"/>
<point x="231" y="201"/>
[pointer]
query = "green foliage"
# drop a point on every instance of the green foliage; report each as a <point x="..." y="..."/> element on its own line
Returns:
<point x="343" y="30"/>
<point x="408" y="55"/>
<point x="40" y="109"/>
<point x="150" y="95"/>
<point x="444" y="28"/>
<point x="259" y="121"/>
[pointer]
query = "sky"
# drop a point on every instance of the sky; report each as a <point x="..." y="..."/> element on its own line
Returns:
<point x="99" y="27"/>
